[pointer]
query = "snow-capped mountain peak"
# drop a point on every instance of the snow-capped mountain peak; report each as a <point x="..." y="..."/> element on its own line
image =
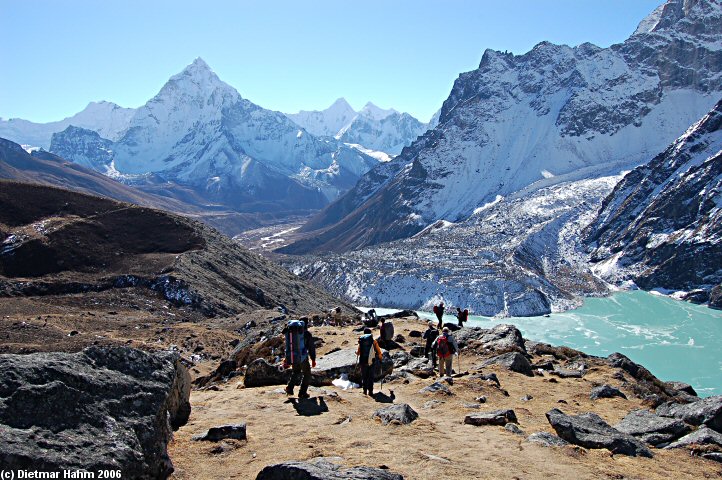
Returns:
<point x="376" y="113"/>
<point x="326" y="122"/>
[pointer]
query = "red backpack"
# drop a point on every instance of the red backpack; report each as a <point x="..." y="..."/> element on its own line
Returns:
<point x="443" y="347"/>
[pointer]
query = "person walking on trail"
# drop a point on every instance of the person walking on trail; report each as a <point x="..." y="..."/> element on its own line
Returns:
<point x="462" y="316"/>
<point x="368" y="352"/>
<point x="430" y="335"/>
<point x="386" y="335"/>
<point x="299" y="348"/>
<point x="446" y="348"/>
<point x="439" y="311"/>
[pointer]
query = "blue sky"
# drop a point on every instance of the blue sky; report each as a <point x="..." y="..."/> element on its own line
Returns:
<point x="57" y="56"/>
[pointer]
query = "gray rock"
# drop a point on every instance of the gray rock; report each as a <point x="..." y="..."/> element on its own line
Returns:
<point x="419" y="367"/>
<point x="547" y="439"/>
<point x="651" y="428"/>
<point x="487" y="377"/>
<point x="417" y="351"/>
<point x="260" y="373"/>
<point x="716" y="456"/>
<point x="321" y="470"/>
<point x="400" y="414"/>
<point x="431" y="404"/>
<point x="513" y="429"/>
<point x="215" y="434"/>
<point x="566" y="372"/>
<point x="715" y="298"/>
<point x="499" y="338"/>
<point x="514" y="361"/>
<point x="606" y="391"/>
<point x="707" y="411"/>
<point x="400" y="358"/>
<point x="682" y="387"/>
<point x="105" y="408"/>
<point x="496" y="417"/>
<point x="617" y="360"/>
<point x="471" y="405"/>
<point x="333" y="365"/>
<point x="590" y="431"/>
<point x="701" y="436"/>
<point x="436" y="388"/>
<point x="415" y="334"/>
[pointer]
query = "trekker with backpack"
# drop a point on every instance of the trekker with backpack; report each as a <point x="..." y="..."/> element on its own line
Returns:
<point x="368" y="352"/>
<point x="462" y="316"/>
<point x="439" y="311"/>
<point x="446" y="347"/>
<point x="386" y="336"/>
<point x="299" y="347"/>
<point x="430" y="335"/>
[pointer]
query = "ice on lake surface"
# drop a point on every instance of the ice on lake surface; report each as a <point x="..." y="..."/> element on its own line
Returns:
<point x="675" y="340"/>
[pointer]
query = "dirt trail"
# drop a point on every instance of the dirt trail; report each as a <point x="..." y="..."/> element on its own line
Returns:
<point x="437" y="445"/>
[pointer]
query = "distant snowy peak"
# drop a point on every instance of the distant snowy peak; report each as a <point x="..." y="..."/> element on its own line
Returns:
<point x="671" y="13"/>
<point x="106" y="118"/>
<point x="326" y="122"/>
<point x="376" y="113"/>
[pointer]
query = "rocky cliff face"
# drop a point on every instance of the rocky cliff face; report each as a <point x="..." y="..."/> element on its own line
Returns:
<point x="662" y="224"/>
<point x="551" y="115"/>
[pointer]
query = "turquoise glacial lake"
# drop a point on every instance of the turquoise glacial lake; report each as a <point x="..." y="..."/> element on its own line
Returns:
<point x="675" y="340"/>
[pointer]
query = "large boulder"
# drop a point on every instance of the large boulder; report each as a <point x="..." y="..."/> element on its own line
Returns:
<point x="105" y="408"/>
<point x="260" y="373"/>
<point x="496" y="417"/>
<point x="682" y="387"/>
<point x="501" y="338"/>
<point x="323" y="470"/>
<point x="707" y="411"/>
<point x="420" y="367"/>
<point x="547" y="439"/>
<point x="333" y="365"/>
<point x="701" y="436"/>
<point x="651" y="428"/>
<point x="606" y="391"/>
<point x="514" y="361"/>
<point x="399" y="414"/>
<point x="588" y="430"/>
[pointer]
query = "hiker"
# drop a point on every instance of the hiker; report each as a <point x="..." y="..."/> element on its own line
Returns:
<point x="439" y="311"/>
<point x="368" y="352"/>
<point x="299" y="347"/>
<point x="446" y="348"/>
<point x="386" y="336"/>
<point x="430" y="335"/>
<point x="462" y="316"/>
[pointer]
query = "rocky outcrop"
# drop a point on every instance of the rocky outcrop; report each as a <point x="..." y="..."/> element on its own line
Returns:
<point x="400" y="414"/>
<point x="651" y="428"/>
<point x="500" y="338"/>
<point x="333" y="365"/>
<point x="588" y="430"/>
<point x="101" y="409"/>
<point x="260" y="373"/>
<point x="514" y="361"/>
<point x="223" y="432"/>
<point x="707" y="411"/>
<point x="606" y="391"/>
<point x="323" y="470"/>
<point x="496" y="417"/>
<point x="547" y="439"/>
<point x="701" y="436"/>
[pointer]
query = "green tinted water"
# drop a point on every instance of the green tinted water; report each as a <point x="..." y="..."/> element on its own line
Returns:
<point x="675" y="340"/>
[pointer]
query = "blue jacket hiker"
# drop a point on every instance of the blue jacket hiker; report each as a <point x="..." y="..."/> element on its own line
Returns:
<point x="299" y="348"/>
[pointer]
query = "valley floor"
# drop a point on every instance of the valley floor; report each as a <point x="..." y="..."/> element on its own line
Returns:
<point x="336" y="423"/>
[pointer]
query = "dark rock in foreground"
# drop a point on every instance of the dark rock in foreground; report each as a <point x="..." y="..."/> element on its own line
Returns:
<point x="701" y="436"/>
<point x="323" y="471"/>
<point x="707" y="411"/>
<point x="567" y="372"/>
<point x="501" y="338"/>
<point x="606" y="391"/>
<point x="496" y="417"/>
<point x="590" y="431"/>
<point x="514" y="361"/>
<point x="215" y="434"/>
<point x="436" y="388"/>
<point x="260" y="373"/>
<point x="401" y="414"/>
<point x="100" y="409"/>
<point x="682" y="387"/>
<point x="651" y="428"/>
<point x="547" y="439"/>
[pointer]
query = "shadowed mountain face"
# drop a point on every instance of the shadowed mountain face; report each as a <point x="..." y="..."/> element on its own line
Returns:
<point x="525" y="122"/>
<point x="662" y="224"/>
<point x="58" y="242"/>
